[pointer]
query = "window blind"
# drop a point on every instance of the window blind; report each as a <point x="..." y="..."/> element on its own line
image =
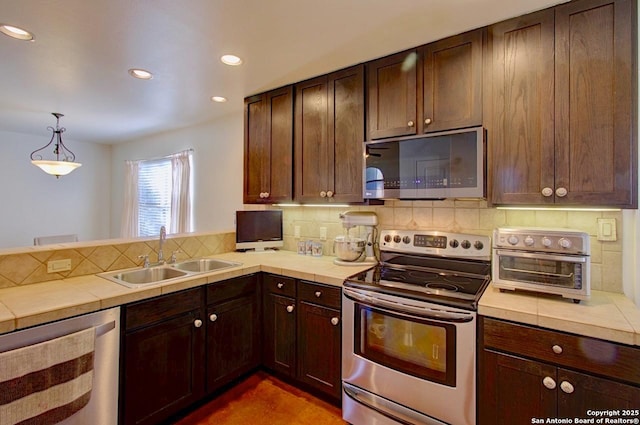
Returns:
<point x="154" y="196"/>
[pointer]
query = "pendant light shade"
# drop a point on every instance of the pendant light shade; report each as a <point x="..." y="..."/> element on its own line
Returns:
<point x="64" y="161"/>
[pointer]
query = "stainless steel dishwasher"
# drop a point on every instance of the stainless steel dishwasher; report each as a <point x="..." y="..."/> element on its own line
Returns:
<point x="102" y="408"/>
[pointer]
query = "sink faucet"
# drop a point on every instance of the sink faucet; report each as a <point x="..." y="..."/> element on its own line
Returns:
<point x="163" y="237"/>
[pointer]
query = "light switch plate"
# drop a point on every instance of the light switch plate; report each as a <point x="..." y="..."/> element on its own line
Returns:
<point x="607" y="229"/>
<point x="296" y="232"/>
<point x="323" y="233"/>
<point x="59" y="265"/>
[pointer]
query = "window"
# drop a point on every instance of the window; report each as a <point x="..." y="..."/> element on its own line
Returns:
<point x="157" y="193"/>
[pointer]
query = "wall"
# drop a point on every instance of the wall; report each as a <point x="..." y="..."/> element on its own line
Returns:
<point x="467" y="217"/>
<point x="217" y="163"/>
<point x="37" y="204"/>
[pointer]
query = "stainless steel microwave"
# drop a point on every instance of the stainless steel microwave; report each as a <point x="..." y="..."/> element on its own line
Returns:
<point x="448" y="164"/>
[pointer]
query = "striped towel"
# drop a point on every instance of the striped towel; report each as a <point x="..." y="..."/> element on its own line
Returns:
<point x="45" y="383"/>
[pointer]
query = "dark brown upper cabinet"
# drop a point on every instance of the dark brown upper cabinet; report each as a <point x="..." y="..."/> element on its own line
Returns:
<point x="563" y="106"/>
<point x="433" y="88"/>
<point x="329" y="136"/>
<point x="268" y="147"/>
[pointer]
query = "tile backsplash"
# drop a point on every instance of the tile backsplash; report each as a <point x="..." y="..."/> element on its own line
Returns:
<point x="467" y="217"/>
<point x="30" y="265"/>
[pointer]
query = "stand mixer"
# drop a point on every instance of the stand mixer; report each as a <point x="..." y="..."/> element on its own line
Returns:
<point x="355" y="251"/>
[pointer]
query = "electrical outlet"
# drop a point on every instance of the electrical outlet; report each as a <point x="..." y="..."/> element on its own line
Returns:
<point x="56" y="266"/>
<point x="296" y="232"/>
<point x="323" y="233"/>
<point x="607" y="229"/>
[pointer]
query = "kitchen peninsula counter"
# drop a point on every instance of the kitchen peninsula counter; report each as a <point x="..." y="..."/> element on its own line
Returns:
<point x="605" y="315"/>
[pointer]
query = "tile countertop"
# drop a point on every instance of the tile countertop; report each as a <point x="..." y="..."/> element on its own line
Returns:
<point x="605" y="315"/>
<point x="30" y="305"/>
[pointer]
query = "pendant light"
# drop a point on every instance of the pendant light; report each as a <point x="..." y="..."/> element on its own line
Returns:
<point x="63" y="163"/>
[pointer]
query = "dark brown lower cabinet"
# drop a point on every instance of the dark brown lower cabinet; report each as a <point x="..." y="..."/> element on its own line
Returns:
<point x="527" y="373"/>
<point x="163" y="357"/>
<point x="280" y="334"/>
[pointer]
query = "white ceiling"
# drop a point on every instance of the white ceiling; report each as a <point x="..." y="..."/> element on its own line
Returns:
<point x="78" y="63"/>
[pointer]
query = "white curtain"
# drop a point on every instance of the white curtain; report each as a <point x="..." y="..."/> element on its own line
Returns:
<point x="130" y="208"/>
<point x="181" y="192"/>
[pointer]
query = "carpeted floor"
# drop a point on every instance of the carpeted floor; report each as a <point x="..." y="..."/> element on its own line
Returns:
<point x="262" y="399"/>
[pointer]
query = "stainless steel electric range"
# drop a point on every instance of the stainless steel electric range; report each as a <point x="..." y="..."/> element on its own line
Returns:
<point x="409" y="330"/>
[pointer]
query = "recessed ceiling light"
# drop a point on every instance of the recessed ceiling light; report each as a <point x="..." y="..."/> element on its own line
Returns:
<point x="140" y="73"/>
<point x="218" y="99"/>
<point x="231" y="60"/>
<point x="15" y="32"/>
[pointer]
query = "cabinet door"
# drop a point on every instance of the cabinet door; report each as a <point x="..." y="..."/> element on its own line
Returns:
<point x="319" y="338"/>
<point x="232" y="340"/>
<point x="163" y="369"/>
<point x="595" y="95"/>
<point x="314" y="157"/>
<point x="511" y="390"/>
<point x="578" y="393"/>
<point x="268" y="147"/>
<point x="453" y="82"/>
<point x="280" y="334"/>
<point x="520" y="128"/>
<point x="392" y="88"/>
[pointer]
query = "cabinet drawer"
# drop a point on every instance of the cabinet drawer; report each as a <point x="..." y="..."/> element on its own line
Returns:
<point x="232" y="288"/>
<point x="280" y="285"/>
<point x="578" y="352"/>
<point x="324" y="295"/>
<point x="161" y="308"/>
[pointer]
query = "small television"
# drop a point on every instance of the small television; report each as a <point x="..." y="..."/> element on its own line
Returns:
<point x="258" y="230"/>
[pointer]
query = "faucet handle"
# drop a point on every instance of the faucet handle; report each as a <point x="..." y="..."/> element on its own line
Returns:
<point x="146" y="260"/>
<point x="174" y="257"/>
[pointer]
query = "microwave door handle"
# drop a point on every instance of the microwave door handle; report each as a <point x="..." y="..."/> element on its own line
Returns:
<point x="564" y="276"/>
<point x="541" y="256"/>
<point x="442" y="315"/>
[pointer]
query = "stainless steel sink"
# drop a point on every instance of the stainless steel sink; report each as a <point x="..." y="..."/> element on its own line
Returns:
<point x="146" y="276"/>
<point x="203" y="265"/>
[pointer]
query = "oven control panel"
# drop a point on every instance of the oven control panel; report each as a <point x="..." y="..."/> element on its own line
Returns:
<point x="434" y="242"/>
<point x="542" y="239"/>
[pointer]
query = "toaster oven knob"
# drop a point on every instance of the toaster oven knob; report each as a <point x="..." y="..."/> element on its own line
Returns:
<point x="513" y="240"/>
<point x="564" y="243"/>
<point x="478" y="245"/>
<point x="387" y="238"/>
<point x="406" y="239"/>
<point x="397" y="239"/>
<point x="528" y="241"/>
<point x="465" y="244"/>
<point x="546" y="242"/>
<point x="453" y="243"/>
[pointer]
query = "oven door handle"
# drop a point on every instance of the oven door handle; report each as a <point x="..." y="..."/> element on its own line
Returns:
<point x="564" y="276"/>
<point x="541" y="256"/>
<point x="424" y="312"/>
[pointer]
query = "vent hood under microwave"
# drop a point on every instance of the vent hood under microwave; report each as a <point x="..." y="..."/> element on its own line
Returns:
<point x="448" y="164"/>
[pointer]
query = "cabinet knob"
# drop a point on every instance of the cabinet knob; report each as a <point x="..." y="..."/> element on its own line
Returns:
<point x="329" y="194"/>
<point x="335" y="321"/>
<point x="557" y="349"/>
<point x="411" y="124"/>
<point x="318" y="294"/>
<point x="213" y="317"/>
<point x="289" y="309"/>
<point x="547" y="191"/>
<point x="323" y="194"/>
<point x="549" y="382"/>
<point x="197" y="323"/>
<point x="566" y="387"/>
<point x="427" y="121"/>
<point x="561" y="192"/>
<point x="280" y="285"/>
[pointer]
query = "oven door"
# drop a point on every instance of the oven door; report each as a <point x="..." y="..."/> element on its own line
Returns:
<point x="413" y="354"/>
<point x="528" y="270"/>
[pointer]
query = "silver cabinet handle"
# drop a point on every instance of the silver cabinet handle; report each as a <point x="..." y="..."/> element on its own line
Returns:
<point x="549" y="382"/>
<point x="547" y="191"/>
<point x="427" y="121"/>
<point x="557" y="349"/>
<point x="318" y="294"/>
<point x="566" y="387"/>
<point x="280" y="285"/>
<point x="561" y="192"/>
<point x="197" y="323"/>
<point x="329" y="194"/>
<point x="289" y="308"/>
<point x="411" y="124"/>
<point x="266" y="194"/>
<point x="213" y="317"/>
<point x="323" y="194"/>
<point x="335" y="321"/>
